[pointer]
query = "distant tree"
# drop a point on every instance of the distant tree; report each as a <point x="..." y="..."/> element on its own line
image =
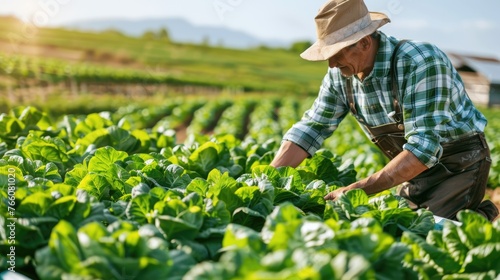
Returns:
<point x="263" y="47"/>
<point x="148" y="35"/>
<point x="206" y="41"/>
<point x="163" y="34"/>
<point x="300" y="46"/>
<point x="220" y="43"/>
<point x="112" y="31"/>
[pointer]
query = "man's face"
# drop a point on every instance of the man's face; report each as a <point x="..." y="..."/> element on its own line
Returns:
<point x="349" y="60"/>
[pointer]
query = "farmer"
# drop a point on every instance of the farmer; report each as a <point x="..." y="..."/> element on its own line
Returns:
<point x="415" y="109"/>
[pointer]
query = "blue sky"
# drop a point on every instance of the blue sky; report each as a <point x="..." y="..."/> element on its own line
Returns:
<point x="454" y="25"/>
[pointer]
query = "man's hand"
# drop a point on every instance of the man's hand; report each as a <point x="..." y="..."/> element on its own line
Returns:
<point x="336" y="193"/>
<point x="402" y="168"/>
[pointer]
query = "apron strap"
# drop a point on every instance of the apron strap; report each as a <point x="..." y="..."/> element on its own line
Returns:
<point x="350" y="96"/>
<point x="394" y="82"/>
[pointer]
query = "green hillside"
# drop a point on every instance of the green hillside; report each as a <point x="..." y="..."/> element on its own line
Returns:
<point x="246" y="70"/>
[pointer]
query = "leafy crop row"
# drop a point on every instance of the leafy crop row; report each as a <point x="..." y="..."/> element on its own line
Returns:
<point x="96" y="199"/>
<point x="24" y="68"/>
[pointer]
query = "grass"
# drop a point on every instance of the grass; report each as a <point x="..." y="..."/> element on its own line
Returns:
<point x="274" y="70"/>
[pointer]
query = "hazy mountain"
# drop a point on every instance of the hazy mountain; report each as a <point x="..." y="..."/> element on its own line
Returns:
<point x="179" y="30"/>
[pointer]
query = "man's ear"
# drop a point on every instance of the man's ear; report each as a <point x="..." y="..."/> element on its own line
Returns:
<point x="366" y="42"/>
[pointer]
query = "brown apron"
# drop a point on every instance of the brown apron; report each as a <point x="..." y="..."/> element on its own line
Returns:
<point x="457" y="182"/>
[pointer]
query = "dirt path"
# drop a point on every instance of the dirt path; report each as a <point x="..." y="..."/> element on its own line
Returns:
<point x="70" y="55"/>
<point x="41" y="51"/>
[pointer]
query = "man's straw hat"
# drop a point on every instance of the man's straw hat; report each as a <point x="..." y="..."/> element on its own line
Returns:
<point x="341" y="23"/>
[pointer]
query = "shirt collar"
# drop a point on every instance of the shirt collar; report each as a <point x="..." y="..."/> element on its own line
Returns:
<point x="382" y="63"/>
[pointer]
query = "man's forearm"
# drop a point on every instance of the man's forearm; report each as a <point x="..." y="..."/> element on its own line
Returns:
<point x="402" y="168"/>
<point x="289" y="154"/>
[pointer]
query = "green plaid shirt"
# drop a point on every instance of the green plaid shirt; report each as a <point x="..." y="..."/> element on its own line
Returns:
<point x="436" y="107"/>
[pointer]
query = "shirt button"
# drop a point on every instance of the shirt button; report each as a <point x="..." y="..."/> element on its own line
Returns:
<point x="401" y="127"/>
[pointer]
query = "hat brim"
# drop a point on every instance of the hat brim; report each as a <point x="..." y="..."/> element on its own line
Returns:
<point x="320" y="52"/>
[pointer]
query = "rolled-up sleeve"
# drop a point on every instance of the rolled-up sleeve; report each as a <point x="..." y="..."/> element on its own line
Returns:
<point x="427" y="108"/>
<point x="322" y="119"/>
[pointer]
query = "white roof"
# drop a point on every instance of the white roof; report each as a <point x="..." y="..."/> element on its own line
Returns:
<point x="488" y="67"/>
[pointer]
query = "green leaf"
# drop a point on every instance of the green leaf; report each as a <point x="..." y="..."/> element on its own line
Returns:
<point x="158" y="193"/>
<point x="388" y="266"/>
<point x="96" y="185"/>
<point x="144" y="139"/>
<point x="50" y="172"/>
<point x="279" y="260"/>
<point x="267" y="172"/>
<point x="75" y="176"/>
<point x="197" y="250"/>
<point x="384" y="201"/>
<point x="316" y="234"/>
<point x="136" y="161"/>
<point x="63" y="189"/>
<point x="351" y="205"/>
<point x="64" y="244"/>
<point x="198" y="185"/>
<point x="347" y="266"/>
<point x="208" y="270"/>
<point x="204" y="159"/>
<point x="91" y="123"/>
<point x="62" y="207"/>
<point x="394" y="221"/>
<point x="112" y="136"/>
<point x="289" y="179"/>
<point x="222" y="187"/>
<point x="248" y="217"/>
<point x="182" y="264"/>
<point x="95" y="267"/>
<point x="449" y="239"/>
<point x="370" y="244"/>
<point x="437" y="258"/>
<point x="97" y="138"/>
<point x="30" y="116"/>
<point x="139" y="189"/>
<point x="249" y="196"/>
<point x="489" y="275"/>
<point x="104" y="158"/>
<point x="175" y="177"/>
<point x="312" y="201"/>
<point x="475" y="229"/>
<point x="282" y="196"/>
<point x="139" y="209"/>
<point x="123" y="140"/>
<point x="35" y="205"/>
<point x="48" y="265"/>
<point x="483" y="258"/>
<point x="281" y="225"/>
<point x="10" y="128"/>
<point x="322" y="167"/>
<point x="44" y="149"/>
<point x="423" y="223"/>
<point x="216" y="216"/>
<point x="11" y="176"/>
<point x="357" y="197"/>
<point x="238" y="236"/>
<point x="80" y="212"/>
<point x="89" y="236"/>
<point x="186" y="225"/>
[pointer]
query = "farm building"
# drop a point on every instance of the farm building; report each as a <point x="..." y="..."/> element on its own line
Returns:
<point x="481" y="76"/>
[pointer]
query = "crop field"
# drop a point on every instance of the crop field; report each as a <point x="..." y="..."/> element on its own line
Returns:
<point x="117" y="195"/>
<point x="59" y="55"/>
<point x="131" y="158"/>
